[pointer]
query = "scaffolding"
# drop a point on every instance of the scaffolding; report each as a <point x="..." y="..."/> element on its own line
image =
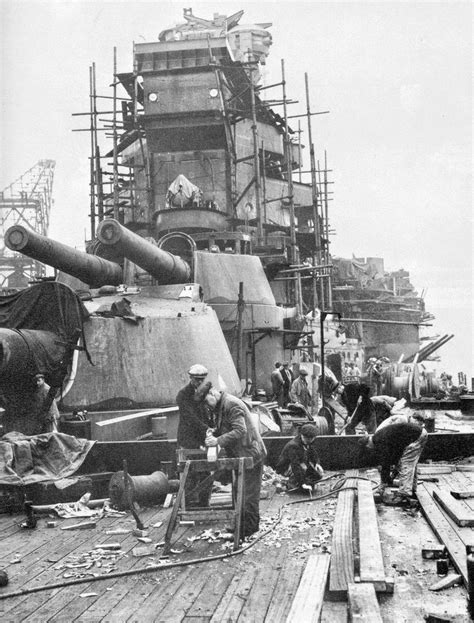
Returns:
<point x="26" y="201"/>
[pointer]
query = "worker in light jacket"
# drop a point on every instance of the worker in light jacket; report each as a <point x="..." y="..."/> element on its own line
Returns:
<point x="398" y="443"/>
<point x="236" y="431"/>
<point x="299" y="392"/>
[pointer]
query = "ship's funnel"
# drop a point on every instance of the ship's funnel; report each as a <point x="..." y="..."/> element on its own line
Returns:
<point x="165" y="267"/>
<point x="93" y="270"/>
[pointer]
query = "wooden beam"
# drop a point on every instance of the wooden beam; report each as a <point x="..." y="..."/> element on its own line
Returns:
<point x="435" y="469"/>
<point x="309" y="597"/>
<point x="363" y="604"/>
<point x="342" y="555"/>
<point x="134" y="416"/>
<point x="443" y="530"/>
<point x="463" y="495"/>
<point x="370" y="549"/>
<point x="458" y="512"/>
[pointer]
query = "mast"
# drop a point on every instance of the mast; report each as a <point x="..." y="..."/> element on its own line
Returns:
<point x="256" y="162"/>
<point x="289" y="172"/>
<point x="317" y="236"/>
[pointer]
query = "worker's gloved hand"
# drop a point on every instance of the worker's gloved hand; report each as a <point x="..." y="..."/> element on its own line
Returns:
<point x="210" y="441"/>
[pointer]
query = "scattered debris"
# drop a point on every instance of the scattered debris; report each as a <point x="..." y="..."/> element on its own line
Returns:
<point x="450" y="580"/>
<point x="143" y="550"/>
<point x="85" y="525"/>
<point x="108" y="546"/>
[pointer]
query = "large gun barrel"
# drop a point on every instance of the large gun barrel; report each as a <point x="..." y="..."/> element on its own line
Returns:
<point x="165" y="267"/>
<point x="17" y="351"/>
<point x="91" y="269"/>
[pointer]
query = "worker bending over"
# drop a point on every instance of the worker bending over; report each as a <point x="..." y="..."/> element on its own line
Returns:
<point x="398" y="443"/>
<point x="236" y="430"/>
<point x="299" y="460"/>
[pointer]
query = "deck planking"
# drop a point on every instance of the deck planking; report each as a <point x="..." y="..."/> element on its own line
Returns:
<point x="257" y="586"/>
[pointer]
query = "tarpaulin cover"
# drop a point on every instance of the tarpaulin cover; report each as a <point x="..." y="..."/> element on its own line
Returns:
<point x="25" y="460"/>
<point x="181" y="190"/>
<point x="48" y="306"/>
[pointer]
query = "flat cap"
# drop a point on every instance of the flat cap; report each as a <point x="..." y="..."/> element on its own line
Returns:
<point x="303" y="372"/>
<point x="308" y="430"/>
<point x="198" y="370"/>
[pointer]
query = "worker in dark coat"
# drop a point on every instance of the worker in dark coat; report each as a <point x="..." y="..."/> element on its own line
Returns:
<point x="299" y="460"/>
<point x="237" y="432"/>
<point x="287" y="376"/>
<point x="277" y="384"/>
<point x="193" y="415"/>
<point x="194" y="421"/>
<point x="363" y="413"/>
<point x="398" y="443"/>
<point x="31" y="410"/>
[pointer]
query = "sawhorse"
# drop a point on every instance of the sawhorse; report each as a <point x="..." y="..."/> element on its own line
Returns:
<point x="230" y="513"/>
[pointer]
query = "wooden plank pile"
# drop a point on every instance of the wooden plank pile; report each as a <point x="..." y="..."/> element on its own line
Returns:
<point x="449" y="509"/>
<point x="355" y="567"/>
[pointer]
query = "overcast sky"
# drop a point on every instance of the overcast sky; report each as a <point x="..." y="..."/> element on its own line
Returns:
<point x="396" y="77"/>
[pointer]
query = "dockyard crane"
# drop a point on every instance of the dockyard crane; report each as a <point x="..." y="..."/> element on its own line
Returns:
<point x="26" y="201"/>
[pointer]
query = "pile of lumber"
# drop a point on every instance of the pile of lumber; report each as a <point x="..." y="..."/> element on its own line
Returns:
<point x="448" y="506"/>
<point x="355" y="566"/>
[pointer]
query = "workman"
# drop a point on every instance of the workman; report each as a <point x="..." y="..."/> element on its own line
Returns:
<point x="287" y="376"/>
<point x="364" y="412"/>
<point x="299" y="392"/>
<point x="370" y="411"/>
<point x="193" y="415"/>
<point x="194" y="421"/>
<point x="383" y="407"/>
<point x="32" y="411"/>
<point x="236" y="430"/>
<point x="277" y="384"/>
<point x="299" y="460"/>
<point x="398" y="442"/>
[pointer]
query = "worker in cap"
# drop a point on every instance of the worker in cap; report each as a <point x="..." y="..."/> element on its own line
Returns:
<point x="192" y="426"/>
<point x="299" y="460"/>
<point x="299" y="392"/>
<point x="197" y="374"/>
<point x="236" y="430"/>
<point x="193" y="418"/>
<point x="397" y="445"/>
<point x="32" y="410"/>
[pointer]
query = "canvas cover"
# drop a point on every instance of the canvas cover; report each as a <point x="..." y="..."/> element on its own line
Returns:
<point x="52" y="456"/>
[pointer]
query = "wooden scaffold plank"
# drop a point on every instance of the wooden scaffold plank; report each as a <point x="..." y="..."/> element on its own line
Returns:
<point x="363" y="604"/>
<point x="309" y="597"/>
<point x="342" y="553"/>
<point x="443" y="530"/>
<point x="456" y="509"/>
<point x="370" y="550"/>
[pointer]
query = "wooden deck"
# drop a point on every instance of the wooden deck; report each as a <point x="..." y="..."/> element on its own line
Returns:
<point x="258" y="585"/>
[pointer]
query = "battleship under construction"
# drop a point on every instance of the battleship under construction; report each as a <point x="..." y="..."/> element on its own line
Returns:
<point x="207" y="246"/>
<point x="223" y="250"/>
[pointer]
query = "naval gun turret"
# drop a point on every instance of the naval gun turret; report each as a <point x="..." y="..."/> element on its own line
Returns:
<point x="140" y="339"/>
